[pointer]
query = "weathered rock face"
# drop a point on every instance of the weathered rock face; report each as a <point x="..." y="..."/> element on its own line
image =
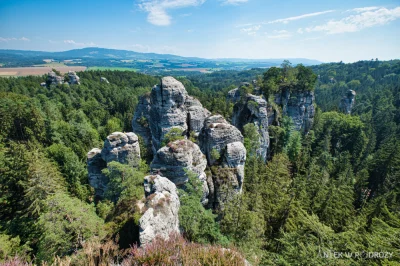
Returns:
<point x="53" y="79"/>
<point x="73" y="78"/>
<point x="119" y="147"/>
<point x="299" y="106"/>
<point x="167" y="107"/>
<point x="162" y="204"/>
<point x="222" y="144"/>
<point x="253" y="109"/>
<point x="233" y="95"/>
<point x="95" y="164"/>
<point x="173" y="160"/>
<point x="104" y="80"/>
<point x="347" y="102"/>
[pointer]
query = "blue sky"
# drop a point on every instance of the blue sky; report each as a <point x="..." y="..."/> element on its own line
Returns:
<point x="324" y="30"/>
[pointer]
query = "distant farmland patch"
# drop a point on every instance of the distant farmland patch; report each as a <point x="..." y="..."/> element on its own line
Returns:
<point x="112" y="68"/>
<point x="35" y="71"/>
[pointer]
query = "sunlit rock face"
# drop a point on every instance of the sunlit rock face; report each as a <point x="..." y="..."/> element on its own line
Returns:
<point x="168" y="106"/>
<point x="176" y="159"/>
<point x="160" y="218"/>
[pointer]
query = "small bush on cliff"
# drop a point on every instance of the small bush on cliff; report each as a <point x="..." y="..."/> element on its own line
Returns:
<point x="172" y="135"/>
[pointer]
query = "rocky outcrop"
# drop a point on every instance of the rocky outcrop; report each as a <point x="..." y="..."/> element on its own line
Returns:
<point x="121" y="147"/>
<point x="73" y="78"/>
<point x="95" y="164"/>
<point x="118" y="147"/>
<point x="167" y="107"/>
<point x="104" y="80"/>
<point x="53" y="79"/>
<point x="347" y="102"/>
<point x="299" y="106"/>
<point x="174" y="160"/>
<point x="222" y="144"/>
<point x="160" y="218"/>
<point x="253" y="109"/>
<point x="233" y="95"/>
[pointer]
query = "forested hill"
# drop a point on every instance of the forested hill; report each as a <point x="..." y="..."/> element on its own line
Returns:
<point x="333" y="188"/>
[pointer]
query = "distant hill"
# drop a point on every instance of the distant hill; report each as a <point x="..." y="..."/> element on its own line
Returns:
<point x="104" y="53"/>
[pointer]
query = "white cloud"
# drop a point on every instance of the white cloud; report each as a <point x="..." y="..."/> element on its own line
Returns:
<point x="233" y="2"/>
<point x="287" y="20"/>
<point x="252" y="31"/>
<point x="279" y="34"/>
<point x="365" y="18"/>
<point x="79" y="43"/>
<point x="157" y="9"/>
<point x="300" y="31"/>
<point x="24" y="39"/>
<point x="363" y="9"/>
<point x="190" y="30"/>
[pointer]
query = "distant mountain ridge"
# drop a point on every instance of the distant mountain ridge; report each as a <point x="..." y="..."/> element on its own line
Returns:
<point x="105" y="53"/>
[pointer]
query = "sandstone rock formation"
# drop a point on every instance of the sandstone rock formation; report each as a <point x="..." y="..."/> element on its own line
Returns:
<point x="119" y="147"/>
<point x="174" y="160"/>
<point x="73" y="78"/>
<point x="299" y="106"/>
<point x="222" y="144"/>
<point x="53" y="79"/>
<point x="347" y="102"/>
<point x="162" y="206"/>
<point x="104" y="80"/>
<point x="167" y="107"/>
<point x="96" y="178"/>
<point x="253" y="109"/>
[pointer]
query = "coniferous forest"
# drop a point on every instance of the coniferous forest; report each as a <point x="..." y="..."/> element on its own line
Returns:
<point x="320" y="195"/>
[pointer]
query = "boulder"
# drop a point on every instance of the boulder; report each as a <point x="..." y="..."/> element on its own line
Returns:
<point x="174" y="160"/>
<point x="253" y="109"/>
<point x="299" y="106"/>
<point x="347" y="102"/>
<point x="162" y="206"/>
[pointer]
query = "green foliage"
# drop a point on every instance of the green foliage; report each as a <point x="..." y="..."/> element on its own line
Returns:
<point x="197" y="223"/>
<point x="172" y="135"/>
<point x="124" y="182"/>
<point x="65" y="226"/>
<point x="215" y="155"/>
<point x="251" y="139"/>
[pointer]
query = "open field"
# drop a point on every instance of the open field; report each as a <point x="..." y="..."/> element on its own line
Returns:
<point x="35" y="71"/>
<point x="51" y="64"/>
<point x="112" y="68"/>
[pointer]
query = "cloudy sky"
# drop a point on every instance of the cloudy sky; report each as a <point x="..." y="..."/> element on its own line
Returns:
<point x="324" y="30"/>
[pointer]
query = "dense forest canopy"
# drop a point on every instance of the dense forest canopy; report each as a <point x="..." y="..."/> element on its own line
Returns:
<point x="334" y="188"/>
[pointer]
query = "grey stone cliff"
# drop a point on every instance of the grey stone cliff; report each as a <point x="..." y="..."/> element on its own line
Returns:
<point x="53" y="79"/>
<point x="347" y="102"/>
<point x="162" y="206"/>
<point x="167" y="107"/>
<point x="222" y="144"/>
<point x="173" y="160"/>
<point x="299" y="106"/>
<point x="73" y="78"/>
<point x="253" y="109"/>
<point x="119" y="147"/>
